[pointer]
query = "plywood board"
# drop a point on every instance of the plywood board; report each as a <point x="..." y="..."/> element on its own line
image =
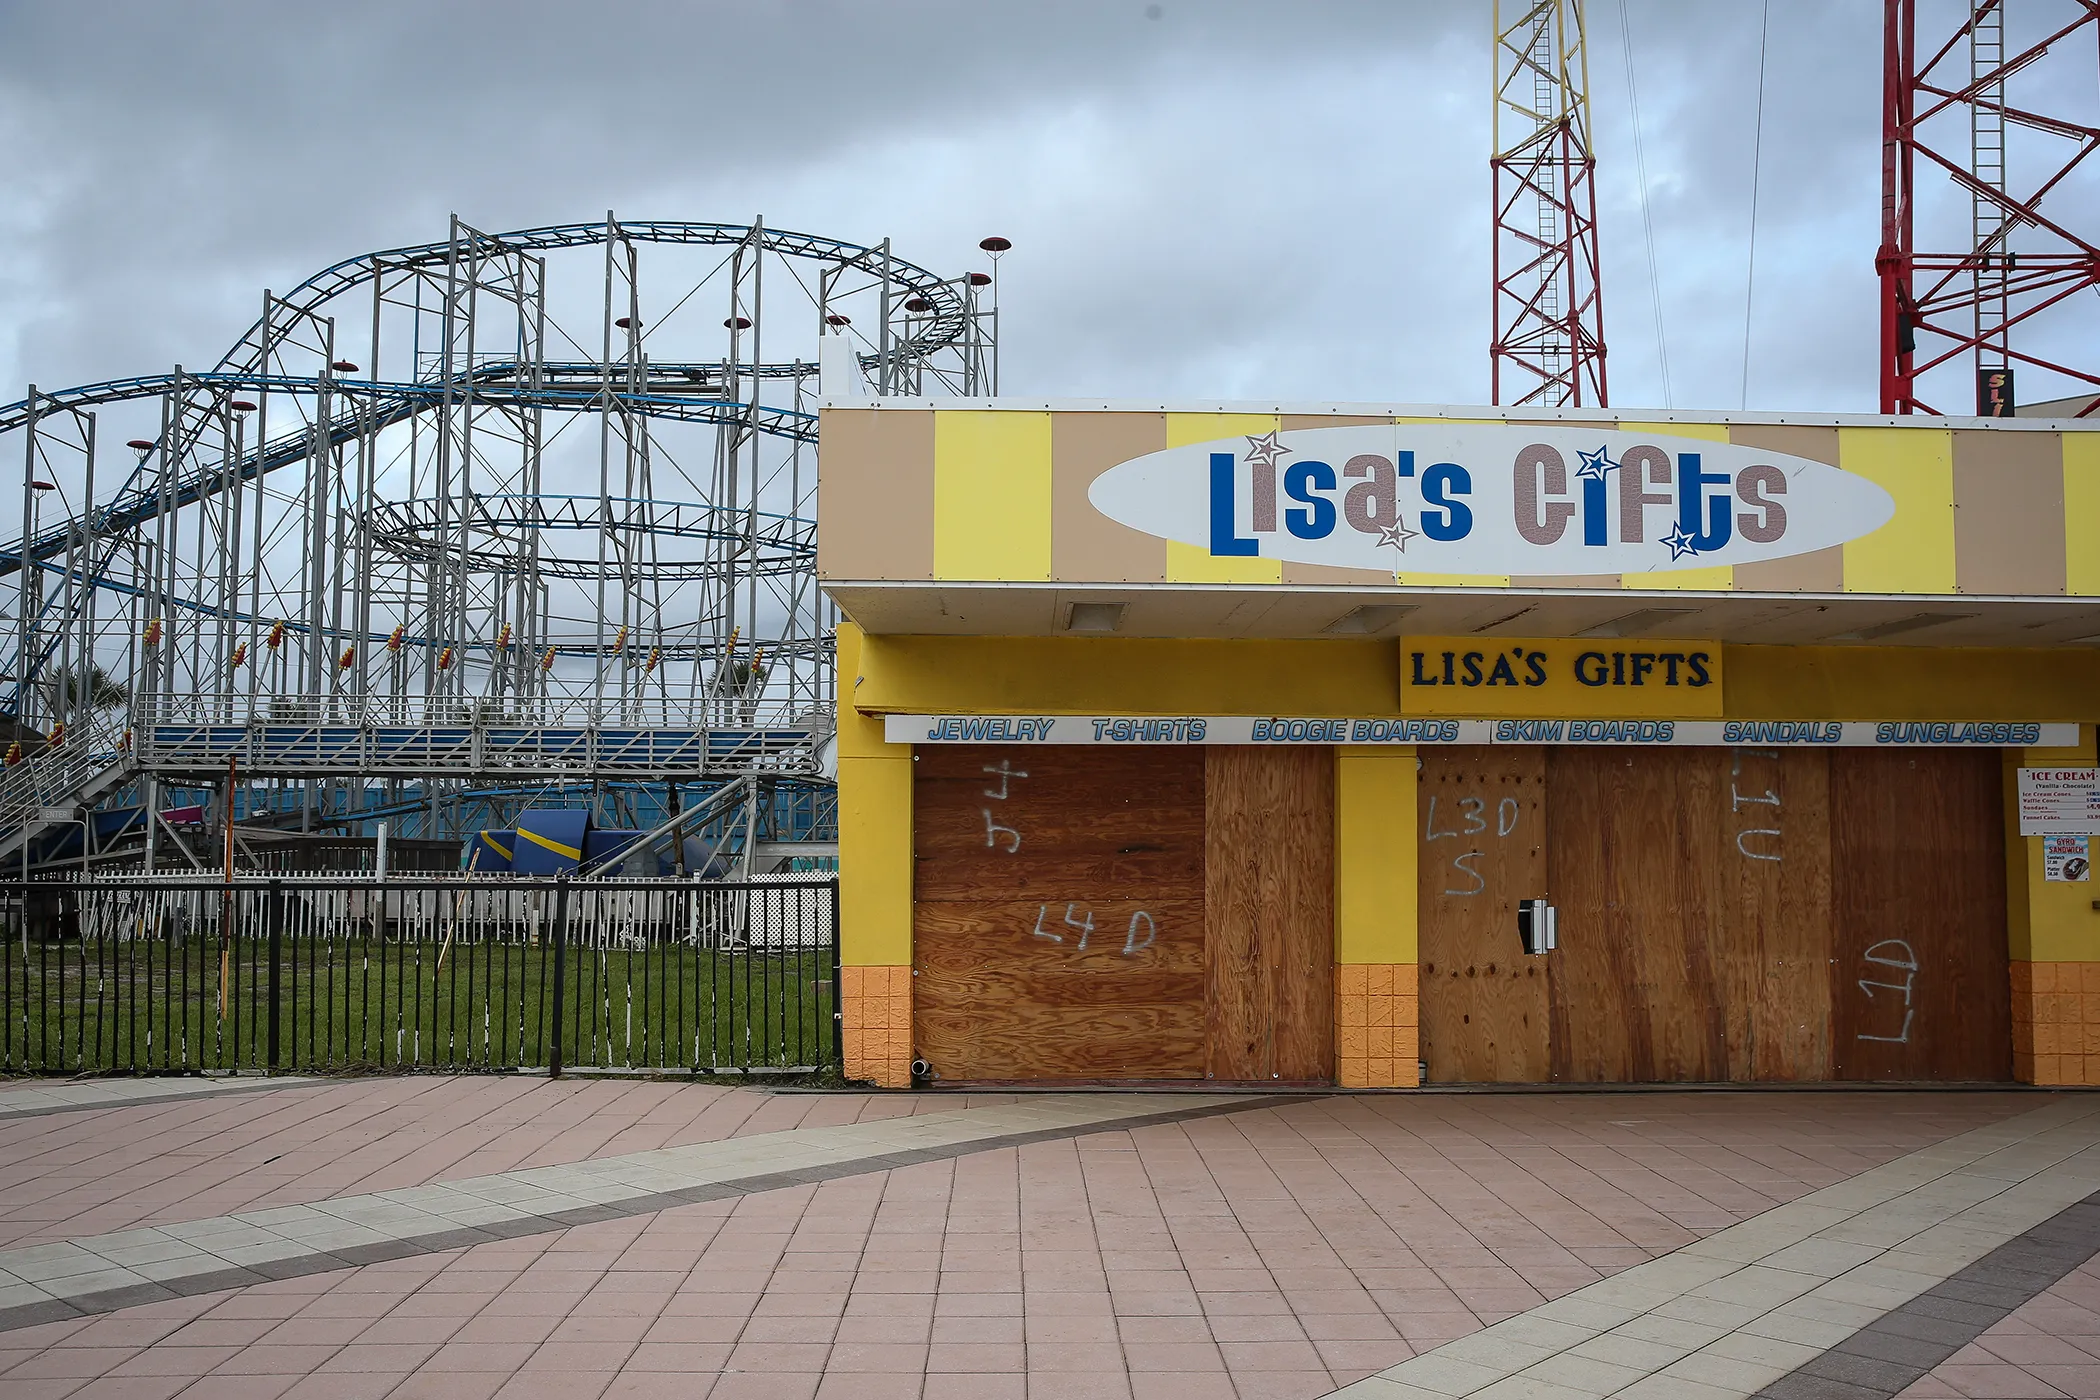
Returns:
<point x="1269" y="905"/>
<point x="1637" y="980"/>
<point x="1481" y="833"/>
<point x="1919" y="983"/>
<point x="1772" y="831"/>
<point x="1058" y="922"/>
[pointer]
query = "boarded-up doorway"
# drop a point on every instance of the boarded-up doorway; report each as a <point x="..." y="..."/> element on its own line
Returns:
<point x="1084" y="915"/>
<point x="1740" y="915"/>
<point x="1482" y="819"/>
<point x="1269" y="898"/>
<point x="1919" y="978"/>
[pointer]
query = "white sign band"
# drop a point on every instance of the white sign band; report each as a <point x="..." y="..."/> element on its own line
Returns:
<point x="1128" y="730"/>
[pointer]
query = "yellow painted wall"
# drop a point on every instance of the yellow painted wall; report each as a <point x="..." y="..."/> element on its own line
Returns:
<point x="991" y="496"/>
<point x="1911" y="683"/>
<point x="1914" y="552"/>
<point x="1146" y="676"/>
<point x="1374" y="813"/>
<point x="875" y="865"/>
<point x="1188" y="563"/>
<point x="1127" y="676"/>
<point x="2048" y="921"/>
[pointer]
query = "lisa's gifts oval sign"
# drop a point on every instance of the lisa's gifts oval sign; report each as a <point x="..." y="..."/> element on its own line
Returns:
<point x="1490" y="498"/>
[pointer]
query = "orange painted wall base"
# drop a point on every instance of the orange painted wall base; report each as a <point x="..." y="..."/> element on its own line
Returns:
<point x="2056" y="1022"/>
<point x="876" y="1007"/>
<point x="1378" y="1022"/>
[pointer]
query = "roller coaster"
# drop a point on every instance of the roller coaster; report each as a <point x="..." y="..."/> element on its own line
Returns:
<point x="456" y="529"/>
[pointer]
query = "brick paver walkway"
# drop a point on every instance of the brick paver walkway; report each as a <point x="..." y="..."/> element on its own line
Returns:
<point x="63" y="1175"/>
<point x="2047" y="1350"/>
<point x="1280" y="1251"/>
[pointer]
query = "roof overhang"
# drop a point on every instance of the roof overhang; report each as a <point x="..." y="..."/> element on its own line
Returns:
<point x="1316" y="611"/>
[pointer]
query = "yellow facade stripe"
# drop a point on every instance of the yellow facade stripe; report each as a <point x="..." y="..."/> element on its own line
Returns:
<point x="2047" y="920"/>
<point x="1374" y="808"/>
<point x="991" y="496"/>
<point x="494" y="846"/>
<point x="572" y="852"/>
<point x="928" y="675"/>
<point x="1188" y="563"/>
<point x="2081" y="510"/>
<point x="875" y="864"/>
<point x="1453" y="580"/>
<point x="875" y="815"/>
<point x="1712" y="580"/>
<point x="1914" y="552"/>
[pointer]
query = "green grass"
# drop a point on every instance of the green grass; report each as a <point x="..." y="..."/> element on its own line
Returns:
<point x="154" y="1005"/>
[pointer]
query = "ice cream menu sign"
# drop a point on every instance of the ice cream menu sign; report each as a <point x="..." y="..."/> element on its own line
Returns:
<point x="2059" y="801"/>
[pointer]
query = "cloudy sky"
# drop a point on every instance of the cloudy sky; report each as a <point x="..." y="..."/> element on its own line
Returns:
<point x="1206" y="197"/>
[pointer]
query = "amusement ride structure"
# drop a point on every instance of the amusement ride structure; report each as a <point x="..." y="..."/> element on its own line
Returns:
<point x="455" y="529"/>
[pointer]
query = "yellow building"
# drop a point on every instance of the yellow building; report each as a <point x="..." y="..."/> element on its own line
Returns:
<point x="1348" y="745"/>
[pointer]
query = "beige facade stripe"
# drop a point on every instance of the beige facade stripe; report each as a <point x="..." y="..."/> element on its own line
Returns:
<point x="2005" y="485"/>
<point x="875" y="513"/>
<point x="1086" y="545"/>
<point x="1822" y="571"/>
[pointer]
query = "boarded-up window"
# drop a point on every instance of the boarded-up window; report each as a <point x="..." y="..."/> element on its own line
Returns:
<point x="1058" y="930"/>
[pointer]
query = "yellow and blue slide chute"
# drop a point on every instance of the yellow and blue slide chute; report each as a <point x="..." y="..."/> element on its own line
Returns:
<point x="550" y="840"/>
<point x="491" y="852"/>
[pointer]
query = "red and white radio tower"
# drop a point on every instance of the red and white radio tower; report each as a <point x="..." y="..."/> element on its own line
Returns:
<point x="1938" y="308"/>
<point x="1548" y="348"/>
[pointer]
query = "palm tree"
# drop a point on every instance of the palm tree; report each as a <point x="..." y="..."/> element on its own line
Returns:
<point x="100" y="690"/>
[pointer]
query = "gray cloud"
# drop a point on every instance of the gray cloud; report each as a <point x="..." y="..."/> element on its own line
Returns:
<point x="1236" y="198"/>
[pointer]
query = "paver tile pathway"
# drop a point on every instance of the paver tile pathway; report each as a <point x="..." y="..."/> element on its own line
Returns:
<point x="1278" y="1251"/>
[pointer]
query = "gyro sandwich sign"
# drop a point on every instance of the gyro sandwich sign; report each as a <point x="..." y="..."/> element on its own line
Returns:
<point x="1490" y="498"/>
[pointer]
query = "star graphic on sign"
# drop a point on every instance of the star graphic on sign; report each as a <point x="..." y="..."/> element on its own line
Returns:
<point x="1264" y="449"/>
<point x="1595" y="464"/>
<point x="1397" y="534"/>
<point x="1680" y="543"/>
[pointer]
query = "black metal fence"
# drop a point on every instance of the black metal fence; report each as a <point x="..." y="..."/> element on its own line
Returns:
<point x="159" y="975"/>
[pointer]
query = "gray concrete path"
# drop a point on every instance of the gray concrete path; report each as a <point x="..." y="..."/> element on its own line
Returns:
<point x="25" y="1098"/>
<point x="101" y="1273"/>
<point x="1744" y="1310"/>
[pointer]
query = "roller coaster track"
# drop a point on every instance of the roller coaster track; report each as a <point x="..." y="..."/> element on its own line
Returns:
<point x="669" y="392"/>
<point x="172" y="473"/>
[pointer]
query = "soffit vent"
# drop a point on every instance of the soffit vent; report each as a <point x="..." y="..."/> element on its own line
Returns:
<point x="1633" y="624"/>
<point x="1914" y="623"/>
<point x="1094" y="617"/>
<point x="1367" y="620"/>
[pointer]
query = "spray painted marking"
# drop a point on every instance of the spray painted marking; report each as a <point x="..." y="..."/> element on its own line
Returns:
<point x="1737" y="800"/>
<point x="1895" y="953"/>
<point x="1141" y="920"/>
<point x="1006" y="773"/>
<point x="1473" y="814"/>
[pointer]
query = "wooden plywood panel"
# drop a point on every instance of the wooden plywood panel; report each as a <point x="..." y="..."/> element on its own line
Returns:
<point x="1074" y="823"/>
<point x="1481" y="826"/>
<point x="1060" y="999"/>
<point x="1058" y="927"/>
<point x="1773" y="834"/>
<point x="1919" y="981"/>
<point x="1269" y="906"/>
<point x="1636" y="983"/>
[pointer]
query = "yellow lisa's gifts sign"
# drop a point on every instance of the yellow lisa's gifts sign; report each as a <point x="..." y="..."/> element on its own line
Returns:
<point x="1525" y="678"/>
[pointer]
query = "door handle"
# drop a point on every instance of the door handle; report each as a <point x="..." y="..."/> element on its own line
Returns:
<point x="1538" y="926"/>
